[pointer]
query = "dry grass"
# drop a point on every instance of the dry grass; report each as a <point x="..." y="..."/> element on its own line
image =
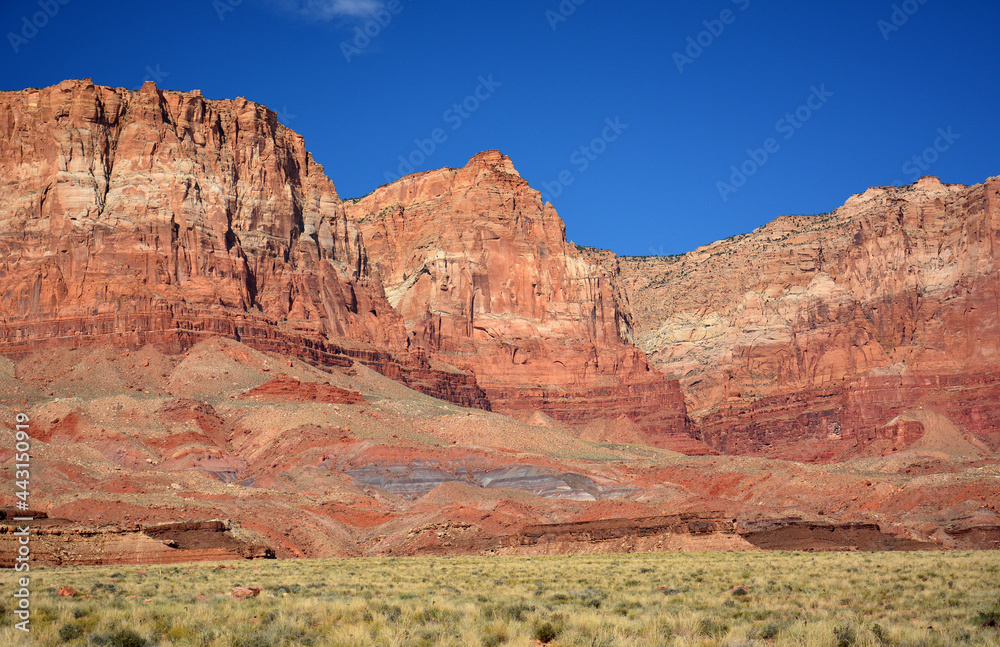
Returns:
<point x="802" y="599"/>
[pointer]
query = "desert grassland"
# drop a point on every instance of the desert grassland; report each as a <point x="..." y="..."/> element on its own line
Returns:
<point x="810" y="599"/>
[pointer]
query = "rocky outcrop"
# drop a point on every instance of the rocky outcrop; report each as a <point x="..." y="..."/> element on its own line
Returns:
<point x="480" y="271"/>
<point x="796" y="534"/>
<point x="56" y="542"/>
<point x="285" y="389"/>
<point x="152" y="216"/>
<point x="685" y="532"/>
<point x="816" y="330"/>
<point x="695" y="524"/>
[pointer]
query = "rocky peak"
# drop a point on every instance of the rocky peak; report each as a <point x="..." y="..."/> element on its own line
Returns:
<point x="492" y="161"/>
<point x="481" y="272"/>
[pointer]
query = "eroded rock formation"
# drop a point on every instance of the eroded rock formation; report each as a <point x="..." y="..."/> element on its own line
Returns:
<point x="57" y="542"/>
<point x="152" y="216"/>
<point x="804" y="337"/>
<point x="480" y="270"/>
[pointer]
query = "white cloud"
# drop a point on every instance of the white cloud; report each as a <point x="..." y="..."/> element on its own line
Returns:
<point x="332" y="9"/>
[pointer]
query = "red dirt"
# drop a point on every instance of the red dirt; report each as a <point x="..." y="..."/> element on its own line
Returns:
<point x="286" y="389"/>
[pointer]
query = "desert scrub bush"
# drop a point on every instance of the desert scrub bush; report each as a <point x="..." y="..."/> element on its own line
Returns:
<point x="70" y="632"/>
<point x="545" y="632"/>
<point x="496" y="635"/>
<point x="845" y="636"/>
<point x="120" y="638"/>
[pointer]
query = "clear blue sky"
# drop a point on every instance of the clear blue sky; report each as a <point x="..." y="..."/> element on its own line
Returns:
<point x="650" y="187"/>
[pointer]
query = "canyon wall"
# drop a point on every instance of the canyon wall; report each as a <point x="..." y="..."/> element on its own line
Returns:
<point x="138" y="217"/>
<point x="480" y="270"/>
<point x="151" y="216"/>
<point x="807" y="336"/>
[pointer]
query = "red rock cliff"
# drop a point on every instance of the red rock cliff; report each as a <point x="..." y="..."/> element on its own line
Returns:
<point x="481" y="272"/>
<point x="157" y="216"/>
<point x="814" y="331"/>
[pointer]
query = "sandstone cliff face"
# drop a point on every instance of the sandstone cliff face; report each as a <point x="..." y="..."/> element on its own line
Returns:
<point x="821" y="329"/>
<point x="481" y="272"/>
<point x="131" y="217"/>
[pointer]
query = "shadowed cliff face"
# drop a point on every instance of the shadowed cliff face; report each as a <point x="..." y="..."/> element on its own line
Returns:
<point x="810" y="334"/>
<point x="481" y="272"/>
<point x="144" y="216"/>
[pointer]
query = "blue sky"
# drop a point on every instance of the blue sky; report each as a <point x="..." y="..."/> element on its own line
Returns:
<point x="630" y="116"/>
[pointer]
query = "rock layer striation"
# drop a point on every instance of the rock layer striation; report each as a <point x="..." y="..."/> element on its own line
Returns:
<point x="806" y="337"/>
<point x="152" y="216"/>
<point x="480" y="270"/>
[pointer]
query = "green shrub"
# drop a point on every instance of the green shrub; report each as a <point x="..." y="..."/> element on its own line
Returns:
<point x="768" y="631"/>
<point x="845" y="635"/>
<point x="517" y="611"/>
<point x="120" y="638"/>
<point x="256" y="640"/>
<point x="546" y="633"/>
<point x="70" y="632"/>
<point x="495" y="636"/>
<point x="709" y="627"/>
